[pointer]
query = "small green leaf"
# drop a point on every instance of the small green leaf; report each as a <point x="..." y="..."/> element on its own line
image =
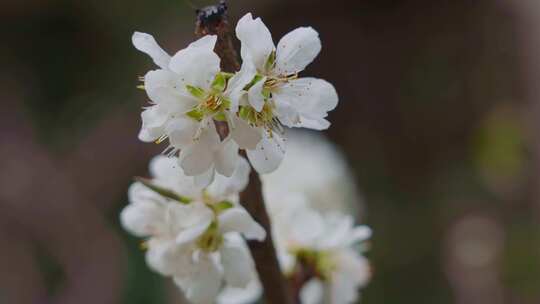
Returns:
<point x="253" y="81"/>
<point x="227" y="75"/>
<point x="225" y="103"/>
<point x="196" y="114"/>
<point x="222" y="206"/>
<point x="162" y="191"/>
<point x="220" y="81"/>
<point x="220" y="117"/>
<point x="270" y="61"/>
<point x="243" y="113"/>
<point x="266" y="93"/>
<point x="196" y="92"/>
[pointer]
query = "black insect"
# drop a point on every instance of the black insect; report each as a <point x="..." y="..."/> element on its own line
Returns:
<point x="212" y="13"/>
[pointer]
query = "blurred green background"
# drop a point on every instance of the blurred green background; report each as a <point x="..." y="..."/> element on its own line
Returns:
<point x="438" y="118"/>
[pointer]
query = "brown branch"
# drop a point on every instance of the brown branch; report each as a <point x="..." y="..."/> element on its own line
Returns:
<point x="213" y="20"/>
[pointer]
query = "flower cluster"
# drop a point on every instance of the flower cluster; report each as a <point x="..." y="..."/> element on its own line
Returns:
<point x="319" y="248"/>
<point x="189" y="214"/>
<point x="192" y="234"/>
<point x="190" y="95"/>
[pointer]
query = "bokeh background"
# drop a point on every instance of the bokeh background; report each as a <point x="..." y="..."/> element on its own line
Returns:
<point x="438" y="117"/>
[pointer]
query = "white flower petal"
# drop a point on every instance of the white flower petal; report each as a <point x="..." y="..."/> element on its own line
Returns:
<point x="182" y="131"/>
<point x="312" y="98"/>
<point x="227" y="157"/>
<point x="166" y="257"/>
<point x="235" y="86"/>
<point x="337" y="231"/>
<point x="199" y="157"/>
<point x="238" y="267"/>
<point x="287" y="261"/>
<point x="168" y="174"/>
<point x="238" y="220"/>
<point x="256" y="98"/>
<point x="162" y="167"/>
<point x="196" y="66"/>
<point x="204" y="283"/>
<point x="167" y="89"/>
<point x="192" y="233"/>
<point x="223" y="187"/>
<point x="147" y="44"/>
<point x="287" y="114"/>
<point x="313" y="292"/>
<point x="314" y="124"/>
<point x="307" y="227"/>
<point x="153" y="123"/>
<point x="353" y="268"/>
<point x="240" y="178"/>
<point x="359" y="234"/>
<point x="268" y="154"/>
<point x="195" y="214"/>
<point x="144" y="219"/>
<point x="203" y="180"/>
<point x="256" y="40"/>
<point x="138" y="193"/>
<point x="146" y="136"/>
<point x="296" y="50"/>
<point x="343" y="290"/>
<point x="248" y="295"/>
<point x="207" y="42"/>
<point x="246" y="136"/>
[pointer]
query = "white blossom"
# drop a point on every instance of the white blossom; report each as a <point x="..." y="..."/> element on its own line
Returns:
<point x="276" y="96"/>
<point x="193" y="233"/>
<point x="317" y="169"/>
<point x="188" y="94"/>
<point x="327" y="243"/>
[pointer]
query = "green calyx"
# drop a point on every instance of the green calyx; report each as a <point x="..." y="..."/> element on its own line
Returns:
<point x="319" y="261"/>
<point x="196" y="114"/>
<point x="270" y="62"/>
<point x="253" y="81"/>
<point x="264" y="118"/>
<point x="211" y="240"/>
<point x="220" y="82"/>
<point x="221" y="206"/>
<point x="196" y="92"/>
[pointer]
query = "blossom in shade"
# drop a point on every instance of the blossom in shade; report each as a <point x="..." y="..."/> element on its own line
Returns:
<point x="328" y="246"/>
<point x="193" y="234"/>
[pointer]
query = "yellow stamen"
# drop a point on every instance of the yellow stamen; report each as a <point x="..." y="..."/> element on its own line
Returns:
<point x="161" y="139"/>
<point x="143" y="245"/>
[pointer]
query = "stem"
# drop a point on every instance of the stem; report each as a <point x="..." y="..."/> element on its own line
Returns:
<point x="212" y="20"/>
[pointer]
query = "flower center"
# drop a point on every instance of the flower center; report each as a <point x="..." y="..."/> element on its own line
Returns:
<point x="266" y="118"/>
<point x="212" y="102"/>
<point x="211" y="240"/>
<point x="320" y="263"/>
<point x="275" y="81"/>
